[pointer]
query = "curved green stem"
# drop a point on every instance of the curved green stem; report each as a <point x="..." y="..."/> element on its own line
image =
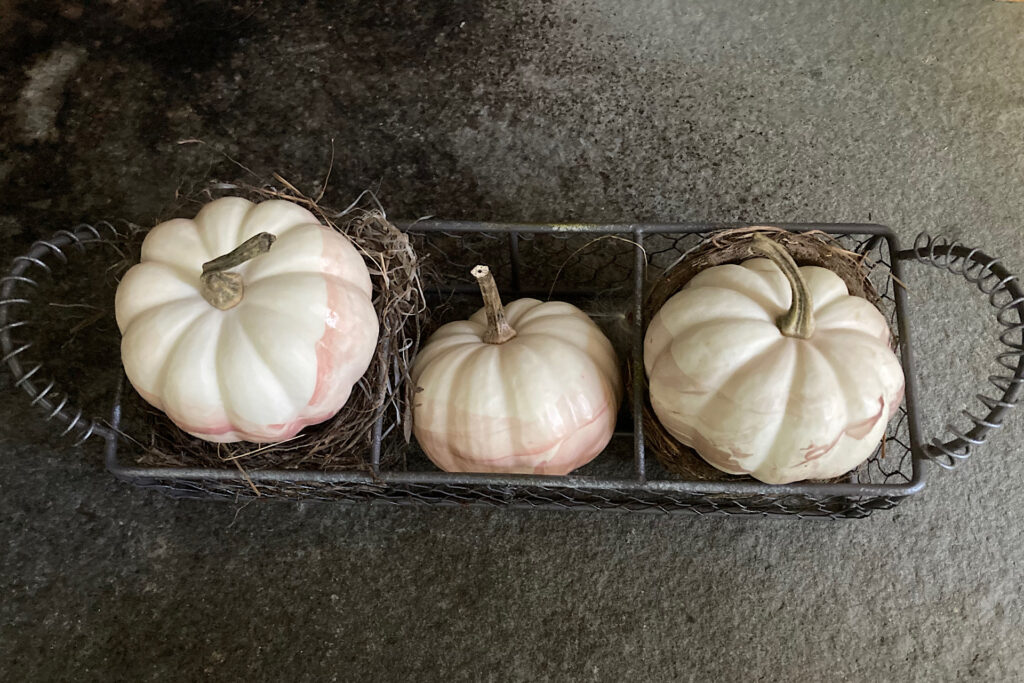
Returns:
<point x="798" y="321"/>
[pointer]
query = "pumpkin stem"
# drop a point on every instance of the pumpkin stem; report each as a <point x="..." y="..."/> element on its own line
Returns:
<point x="498" y="329"/>
<point x="798" y="321"/>
<point x="222" y="289"/>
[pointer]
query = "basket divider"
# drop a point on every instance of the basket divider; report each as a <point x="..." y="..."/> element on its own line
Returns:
<point x="637" y="360"/>
<point x="514" y="261"/>
<point x="375" y="445"/>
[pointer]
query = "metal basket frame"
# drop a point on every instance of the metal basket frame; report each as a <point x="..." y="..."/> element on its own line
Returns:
<point x="639" y="492"/>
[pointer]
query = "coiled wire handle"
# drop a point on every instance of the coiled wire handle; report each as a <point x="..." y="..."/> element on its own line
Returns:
<point x="1006" y="296"/>
<point x="16" y="294"/>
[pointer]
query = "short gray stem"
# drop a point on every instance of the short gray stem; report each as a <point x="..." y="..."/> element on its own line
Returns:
<point x="222" y="289"/>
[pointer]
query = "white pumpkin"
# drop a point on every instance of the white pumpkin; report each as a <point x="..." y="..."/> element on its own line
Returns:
<point x="238" y="340"/>
<point x="531" y="388"/>
<point x="763" y="382"/>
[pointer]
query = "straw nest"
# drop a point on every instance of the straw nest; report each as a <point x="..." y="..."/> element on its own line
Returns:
<point x="344" y="441"/>
<point x="813" y="248"/>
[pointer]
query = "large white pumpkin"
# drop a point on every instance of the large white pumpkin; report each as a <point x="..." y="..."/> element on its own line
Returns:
<point x="270" y="339"/>
<point x="531" y="388"/>
<point x="760" y="385"/>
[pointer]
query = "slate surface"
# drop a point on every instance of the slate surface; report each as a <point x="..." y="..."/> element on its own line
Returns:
<point x="904" y="113"/>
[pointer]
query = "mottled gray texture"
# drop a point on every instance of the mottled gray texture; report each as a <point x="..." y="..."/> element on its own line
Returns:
<point x="42" y="96"/>
<point x="907" y="113"/>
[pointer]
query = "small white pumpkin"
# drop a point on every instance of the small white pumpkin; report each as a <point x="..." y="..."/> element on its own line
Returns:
<point x="772" y="370"/>
<point x="238" y="340"/>
<point x="532" y="388"/>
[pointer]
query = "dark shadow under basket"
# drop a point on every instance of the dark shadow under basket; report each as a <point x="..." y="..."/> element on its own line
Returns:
<point x="807" y="249"/>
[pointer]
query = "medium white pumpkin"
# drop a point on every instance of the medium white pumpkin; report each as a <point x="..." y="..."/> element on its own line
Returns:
<point x="238" y="340"/>
<point x="772" y="370"/>
<point x="531" y="388"/>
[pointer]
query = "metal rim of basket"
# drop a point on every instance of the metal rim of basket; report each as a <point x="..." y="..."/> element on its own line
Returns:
<point x="987" y="273"/>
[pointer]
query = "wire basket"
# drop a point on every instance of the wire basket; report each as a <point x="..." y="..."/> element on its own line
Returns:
<point x="603" y="269"/>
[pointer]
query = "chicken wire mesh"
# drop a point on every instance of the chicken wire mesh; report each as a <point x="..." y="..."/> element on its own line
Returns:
<point x="544" y="497"/>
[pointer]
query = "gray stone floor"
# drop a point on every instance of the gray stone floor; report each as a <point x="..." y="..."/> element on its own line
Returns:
<point x="909" y="114"/>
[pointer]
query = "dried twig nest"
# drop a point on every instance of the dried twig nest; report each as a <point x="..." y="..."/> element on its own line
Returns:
<point x="814" y="248"/>
<point x="344" y="441"/>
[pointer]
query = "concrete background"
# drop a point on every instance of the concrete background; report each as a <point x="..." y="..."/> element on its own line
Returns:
<point x="907" y="113"/>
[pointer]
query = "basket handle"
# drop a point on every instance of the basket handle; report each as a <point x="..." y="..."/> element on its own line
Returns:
<point x="1007" y="297"/>
<point x="16" y="294"/>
